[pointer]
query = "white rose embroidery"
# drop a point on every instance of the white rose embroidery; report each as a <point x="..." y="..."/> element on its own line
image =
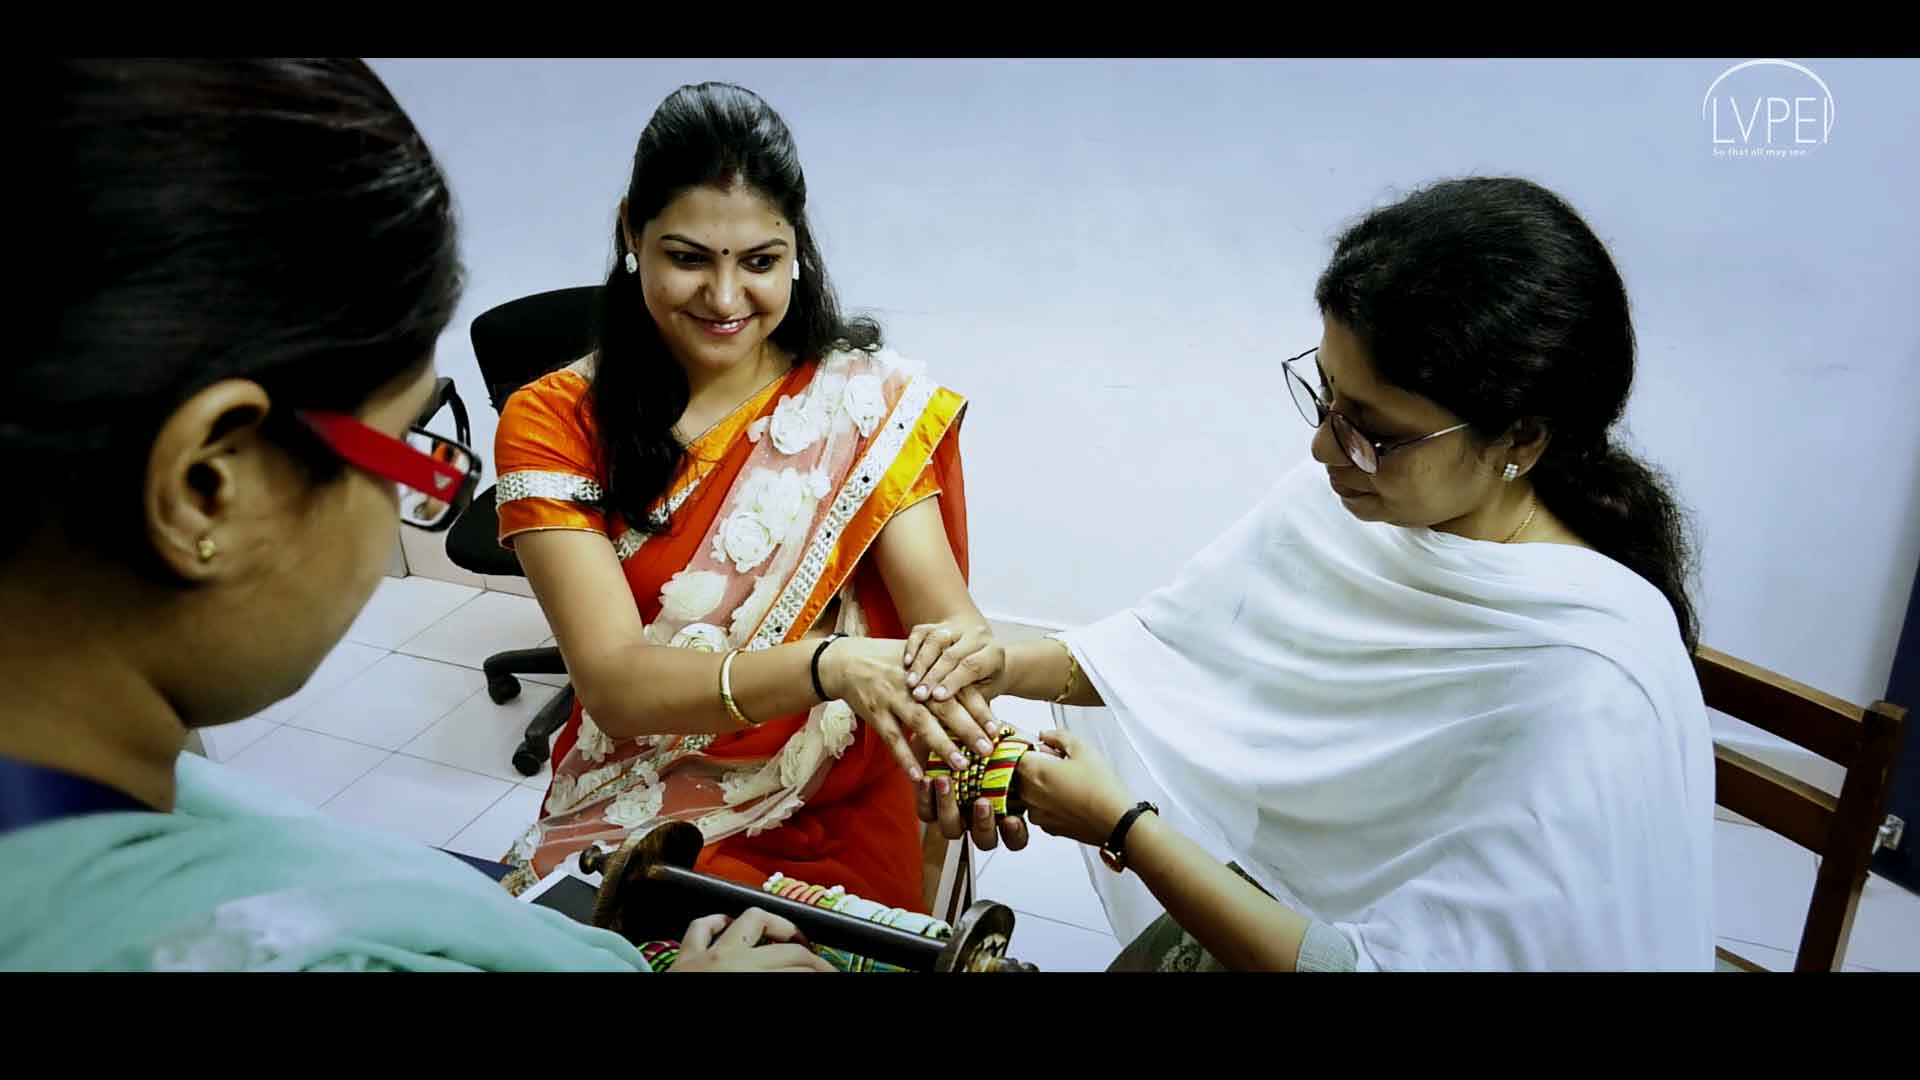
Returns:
<point x="784" y="504"/>
<point x="836" y="727"/>
<point x="823" y="397"/>
<point x="754" y="607"/>
<point x="746" y="540"/>
<point x="572" y="792"/>
<point x="866" y="404"/>
<point x="891" y="361"/>
<point x="737" y="787"/>
<point x="562" y="797"/>
<point x="793" y="428"/>
<point x="800" y="758"/>
<point x="691" y="595"/>
<point x="593" y="744"/>
<point x="818" y="483"/>
<point x="701" y="637"/>
<point x="594" y="780"/>
<point x="635" y="808"/>
<point x="656" y="634"/>
<point x="756" y="429"/>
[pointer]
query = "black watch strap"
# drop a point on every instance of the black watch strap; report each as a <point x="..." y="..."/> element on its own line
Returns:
<point x="1115" y="849"/>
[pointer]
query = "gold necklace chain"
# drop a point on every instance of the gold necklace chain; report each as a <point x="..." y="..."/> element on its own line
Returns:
<point x="1532" y="508"/>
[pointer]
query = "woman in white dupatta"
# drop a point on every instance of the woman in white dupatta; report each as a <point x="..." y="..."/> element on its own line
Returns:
<point x="1433" y="706"/>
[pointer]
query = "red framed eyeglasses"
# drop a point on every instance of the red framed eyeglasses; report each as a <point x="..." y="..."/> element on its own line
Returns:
<point x="437" y="474"/>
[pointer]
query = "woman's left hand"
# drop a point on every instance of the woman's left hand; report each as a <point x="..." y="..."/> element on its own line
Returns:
<point x="1070" y="790"/>
<point x="944" y="658"/>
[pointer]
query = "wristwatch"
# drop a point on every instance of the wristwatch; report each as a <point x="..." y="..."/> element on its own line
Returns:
<point x="1114" y="851"/>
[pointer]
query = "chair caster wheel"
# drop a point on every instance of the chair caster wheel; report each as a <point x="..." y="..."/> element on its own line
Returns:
<point x="502" y="688"/>
<point x="527" y="760"/>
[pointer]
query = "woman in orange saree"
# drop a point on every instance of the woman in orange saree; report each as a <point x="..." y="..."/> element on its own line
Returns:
<point x="824" y="493"/>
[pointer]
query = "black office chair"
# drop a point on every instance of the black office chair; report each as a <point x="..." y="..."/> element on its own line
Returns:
<point x="516" y="343"/>
<point x="444" y="395"/>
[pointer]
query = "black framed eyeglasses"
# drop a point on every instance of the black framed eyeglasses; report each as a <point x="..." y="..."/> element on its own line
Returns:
<point x="1364" y="451"/>
<point x="436" y="475"/>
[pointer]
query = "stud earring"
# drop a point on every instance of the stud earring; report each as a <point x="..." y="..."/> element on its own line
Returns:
<point x="1512" y="471"/>
<point x="632" y="263"/>
<point x="796" y="268"/>
<point x="207" y="549"/>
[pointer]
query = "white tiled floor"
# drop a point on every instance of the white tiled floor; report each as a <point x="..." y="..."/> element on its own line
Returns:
<point x="227" y="740"/>
<point x="429" y="802"/>
<point x="310" y="767"/>
<point x="481" y="737"/>
<point x="493" y="832"/>
<point x="1060" y="925"/>
<point x="391" y="702"/>
<point x="489" y="623"/>
<point x="345" y="662"/>
<point x="403" y="607"/>
<point x="1762" y="884"/>
<point x="395" y="731"/>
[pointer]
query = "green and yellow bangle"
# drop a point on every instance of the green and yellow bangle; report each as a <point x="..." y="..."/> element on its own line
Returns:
<point x="993" y="779"/>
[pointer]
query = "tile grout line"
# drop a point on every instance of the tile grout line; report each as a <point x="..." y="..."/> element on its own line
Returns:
<point x="516" y="780"/>
<point x="460" y="768"/>
<point x="478" y="816"/>
<point x="349" y="638"/>
<point x="1068" y="925"/>
<point x="411" y="739"/>
<point x="423" y="631"/>
<point x="357" y="779"/>
<point x="324" y="695"/>
<point x="1792" y="953"/>
<point x="979" y="883"/>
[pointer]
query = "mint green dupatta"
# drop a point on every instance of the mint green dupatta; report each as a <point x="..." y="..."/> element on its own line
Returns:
<point x="240" y="878"/>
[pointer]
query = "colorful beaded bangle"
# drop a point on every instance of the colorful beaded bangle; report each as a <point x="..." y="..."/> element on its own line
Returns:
<point x="660" y="955"/>
<point x="994" y="779"/>
<point x="997" y="782"/>
<point x="839" y="899"/>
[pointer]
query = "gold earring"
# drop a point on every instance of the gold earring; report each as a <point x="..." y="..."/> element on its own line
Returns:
<point x="208" y="549"/>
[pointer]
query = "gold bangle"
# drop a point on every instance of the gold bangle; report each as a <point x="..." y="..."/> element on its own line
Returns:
<point x="1073" y="670"/>
<point x="726" y="690"/>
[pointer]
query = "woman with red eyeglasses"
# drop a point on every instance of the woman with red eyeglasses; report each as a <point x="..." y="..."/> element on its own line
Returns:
<point x="240" y="271"/>
<point x="1429" y="705"/>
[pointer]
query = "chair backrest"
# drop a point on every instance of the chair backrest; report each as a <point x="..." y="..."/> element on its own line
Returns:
<point x="1841" y="831"/>
<point x="521" y="340"/>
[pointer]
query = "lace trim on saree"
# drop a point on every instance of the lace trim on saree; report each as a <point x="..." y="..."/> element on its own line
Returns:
<point x="629" y="542"/>
<point x="535" y="484"/>
<point x="867" y="474"/>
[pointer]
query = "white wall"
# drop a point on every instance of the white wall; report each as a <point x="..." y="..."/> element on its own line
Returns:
<point x="1111" y="258"/>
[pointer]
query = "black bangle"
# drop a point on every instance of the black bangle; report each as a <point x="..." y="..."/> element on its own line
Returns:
<point x="817" y="688"/>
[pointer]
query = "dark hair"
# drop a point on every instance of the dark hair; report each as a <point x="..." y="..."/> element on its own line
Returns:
<point x="712" y="134"/>
<point x="1493" y="298"/>
<point x="278" y="220"/>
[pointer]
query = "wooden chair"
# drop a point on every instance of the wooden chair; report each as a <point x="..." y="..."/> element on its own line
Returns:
<point x="1843" y="832"/>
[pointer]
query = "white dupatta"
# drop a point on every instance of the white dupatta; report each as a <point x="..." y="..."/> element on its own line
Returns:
<point x="1463" y="755"/>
